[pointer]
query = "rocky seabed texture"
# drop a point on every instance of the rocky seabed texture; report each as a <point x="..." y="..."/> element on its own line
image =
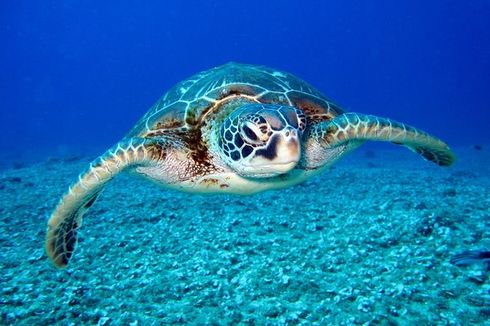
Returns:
<point x="367" y="243"/>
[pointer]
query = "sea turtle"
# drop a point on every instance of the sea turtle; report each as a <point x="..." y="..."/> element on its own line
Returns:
<point x="238" y="129"/>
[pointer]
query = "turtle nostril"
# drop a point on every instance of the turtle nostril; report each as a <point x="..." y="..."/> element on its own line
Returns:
<point x="290" y="133"/>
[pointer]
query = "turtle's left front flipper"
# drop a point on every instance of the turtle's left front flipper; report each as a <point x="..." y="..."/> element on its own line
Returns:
<point x="352" y="127"/>
<point x="61" y="237"/>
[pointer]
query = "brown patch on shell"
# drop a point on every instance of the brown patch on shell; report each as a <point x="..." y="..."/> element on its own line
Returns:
<point x="222" y="95"/>
<point x="315" y="109"/>
<point x="237" y="90"/>
<point x="169" y="124"/>
<point x="197" y="111"/>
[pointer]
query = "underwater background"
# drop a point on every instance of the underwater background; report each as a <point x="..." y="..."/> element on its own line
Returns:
<point x="78" y="74"/>
<point x="368" y="242"/>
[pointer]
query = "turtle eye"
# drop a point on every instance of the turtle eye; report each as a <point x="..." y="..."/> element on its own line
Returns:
<point x="251" y="133"/>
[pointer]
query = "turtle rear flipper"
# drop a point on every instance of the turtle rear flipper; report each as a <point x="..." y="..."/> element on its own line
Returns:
<point x="354" y="126"/>
<point x="61" y="237"/>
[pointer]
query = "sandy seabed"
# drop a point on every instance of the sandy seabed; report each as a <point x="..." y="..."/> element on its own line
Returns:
<point x="368" y="242"/>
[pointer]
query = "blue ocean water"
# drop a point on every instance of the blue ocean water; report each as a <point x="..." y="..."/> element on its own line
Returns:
<point x="77" y="75"/>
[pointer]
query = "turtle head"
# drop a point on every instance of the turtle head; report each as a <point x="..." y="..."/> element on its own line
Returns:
<point x="262" y="140"/>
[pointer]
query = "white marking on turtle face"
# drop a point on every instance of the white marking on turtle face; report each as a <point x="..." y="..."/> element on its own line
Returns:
<point x="182" y="90"/>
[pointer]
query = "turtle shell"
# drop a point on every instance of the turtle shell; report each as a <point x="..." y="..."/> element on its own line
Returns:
<point x="186" y="105"/>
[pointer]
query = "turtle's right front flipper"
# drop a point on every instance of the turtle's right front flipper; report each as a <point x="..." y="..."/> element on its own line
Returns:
<point x="61" y="237"/>
<point x="356" y="128"/>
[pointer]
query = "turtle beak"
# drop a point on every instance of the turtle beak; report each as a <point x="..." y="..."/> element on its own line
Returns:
<point x="288" y="151"/>
<point x="281" y="155"/>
